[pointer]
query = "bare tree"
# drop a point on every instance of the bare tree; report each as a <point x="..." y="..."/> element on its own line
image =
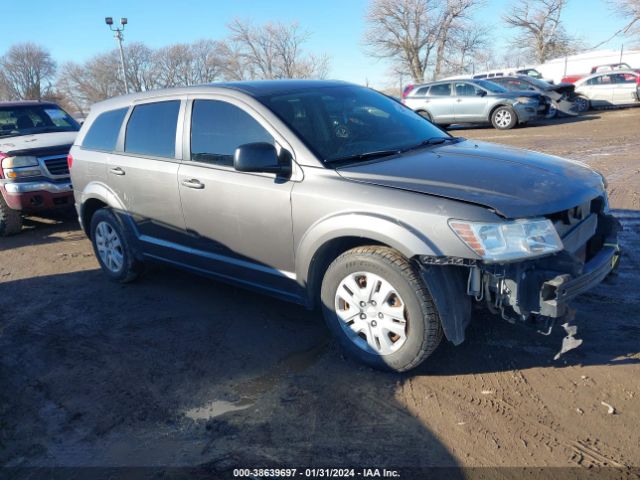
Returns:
<point x="540" y="30"/>
<point x="416" y="33"/>
<point x="467" y="47"/>
<point x="140" y="67"/>
<point x="453" y="22"/>
<point x="403" y="30"/>
<point x="27" y="72"/>
<point x="630" y="11"/>
<point x="274" y="50"/>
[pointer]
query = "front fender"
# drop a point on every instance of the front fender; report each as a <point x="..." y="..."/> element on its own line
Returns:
<point x="392" y="232"/>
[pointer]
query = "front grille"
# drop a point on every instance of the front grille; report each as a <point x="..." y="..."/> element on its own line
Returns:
<point x="57" y="165"/>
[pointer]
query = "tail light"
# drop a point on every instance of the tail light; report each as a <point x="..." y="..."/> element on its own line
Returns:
<point x="407" y="90"/>
<point x="69" y="161"/>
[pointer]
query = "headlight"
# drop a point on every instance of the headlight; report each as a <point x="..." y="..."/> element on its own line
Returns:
<point x="526" y="100"/>
<point x="502" y="242"/>
<point x="15" y="162"/>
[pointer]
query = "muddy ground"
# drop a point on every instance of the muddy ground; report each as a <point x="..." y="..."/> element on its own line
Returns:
<point x="177" y="370"/>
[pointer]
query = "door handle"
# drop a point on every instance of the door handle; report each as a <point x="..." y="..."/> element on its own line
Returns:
<point x="193" y="183"/>
<point x="459" y="100"/>
<point x="117" y="171"/>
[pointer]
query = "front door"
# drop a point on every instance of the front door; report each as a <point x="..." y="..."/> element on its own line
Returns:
<point x="240" y="222"/>
<point x="470" y="104"/>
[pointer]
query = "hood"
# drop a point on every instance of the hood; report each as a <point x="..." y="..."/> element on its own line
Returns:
<point x="23" y="143"/>
<point x="513" y="182"/>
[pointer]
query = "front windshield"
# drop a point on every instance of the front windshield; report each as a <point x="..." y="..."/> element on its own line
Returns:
<point x="346" y="122"/>
<point x="492" y="87"/>
<point x="30" y="119"/>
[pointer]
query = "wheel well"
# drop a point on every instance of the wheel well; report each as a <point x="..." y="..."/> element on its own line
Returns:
<point x="323" y="257"/>
<point x="421" y="111"/>
<point x="503" y="105"/>
<point x="88" y="209"/>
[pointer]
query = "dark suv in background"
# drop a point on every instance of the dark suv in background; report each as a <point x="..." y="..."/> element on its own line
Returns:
<point x="35" y="138"/>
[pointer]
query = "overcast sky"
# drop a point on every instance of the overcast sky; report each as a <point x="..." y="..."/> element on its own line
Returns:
<point x="75" y="29"/>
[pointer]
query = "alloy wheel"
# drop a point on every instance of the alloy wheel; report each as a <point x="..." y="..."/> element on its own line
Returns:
<point x="109" y="247"/>
<point x="503" y="118"/>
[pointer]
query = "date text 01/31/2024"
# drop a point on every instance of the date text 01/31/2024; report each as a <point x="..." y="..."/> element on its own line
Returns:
<point x="315" y="473"/>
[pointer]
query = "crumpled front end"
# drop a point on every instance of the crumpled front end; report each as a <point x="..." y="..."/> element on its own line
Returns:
<point x="539" y="291"/>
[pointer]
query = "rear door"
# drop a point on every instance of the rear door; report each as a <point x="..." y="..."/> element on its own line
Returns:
<point x="470" y="103"/>
<point x="439" y="103"/>
<point x="625" y="89"/>
<point x="143" y="172"/>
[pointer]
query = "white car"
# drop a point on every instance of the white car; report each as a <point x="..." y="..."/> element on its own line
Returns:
<point x="619" y="88"/>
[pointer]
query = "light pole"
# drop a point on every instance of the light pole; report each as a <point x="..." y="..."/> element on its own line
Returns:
<point x="118" y="35"/>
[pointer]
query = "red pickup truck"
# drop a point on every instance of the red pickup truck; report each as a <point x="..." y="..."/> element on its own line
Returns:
<point x="35" y="138"/>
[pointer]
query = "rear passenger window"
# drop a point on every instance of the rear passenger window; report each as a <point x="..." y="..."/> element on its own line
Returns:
<point x="441" y="90"/>
<point x="103" y="132"/>
<point x="218" y="128"/>
<point x="151" y="129"/>
<point x="421" y="91"/>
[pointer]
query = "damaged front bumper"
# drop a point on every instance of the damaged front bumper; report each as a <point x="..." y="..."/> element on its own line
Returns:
<point x="539" y="291"/>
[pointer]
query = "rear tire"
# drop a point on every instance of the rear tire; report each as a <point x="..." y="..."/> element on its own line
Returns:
<point x="504" y="118"/>
<point x="111" y="246"/>
<point x="10" y="220"/>
<point x="379" y="309"/>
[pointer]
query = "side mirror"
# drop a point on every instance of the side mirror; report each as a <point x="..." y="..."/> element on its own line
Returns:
<point x="481" y="93"/>
<point x="260" y="157"/>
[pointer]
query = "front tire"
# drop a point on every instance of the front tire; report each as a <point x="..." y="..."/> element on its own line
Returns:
<point x="111" y="247"/>
<point x="504" y="118"/>
<point x="378" y="308"/>
<point x="582" y="104"/>
<point x="10" y="220"/>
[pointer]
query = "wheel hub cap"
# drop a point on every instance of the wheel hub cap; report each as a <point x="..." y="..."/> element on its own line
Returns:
<point x="371" y="313"/>
<point x="109" y="247"/>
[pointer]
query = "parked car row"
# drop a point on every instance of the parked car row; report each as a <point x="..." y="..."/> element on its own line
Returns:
<point x="509" y="100"/>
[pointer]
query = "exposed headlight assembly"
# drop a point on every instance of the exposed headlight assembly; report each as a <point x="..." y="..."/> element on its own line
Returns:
<point x="507" y="241"/>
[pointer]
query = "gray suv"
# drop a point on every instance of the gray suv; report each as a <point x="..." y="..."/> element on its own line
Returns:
<point x="475" y="101"/>
<point x="335" y="196"/>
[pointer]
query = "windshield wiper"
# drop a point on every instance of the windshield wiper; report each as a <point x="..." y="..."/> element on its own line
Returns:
<point x="364" y="156"/>
<point x="431" y="141"/>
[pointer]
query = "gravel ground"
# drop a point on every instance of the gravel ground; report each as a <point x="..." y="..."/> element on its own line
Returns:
<point x="177" y="370"/>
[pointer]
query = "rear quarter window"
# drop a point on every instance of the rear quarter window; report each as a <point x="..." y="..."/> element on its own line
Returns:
<point x="151" y="129"/>
<point x="103" y="132"/>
